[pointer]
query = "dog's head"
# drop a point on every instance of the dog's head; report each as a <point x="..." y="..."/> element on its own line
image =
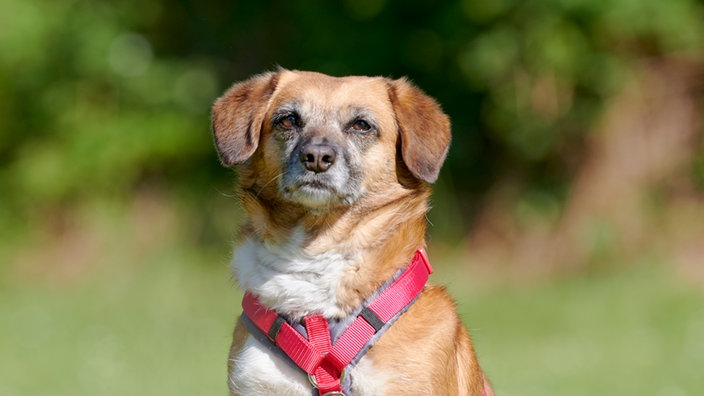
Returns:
<point x="322" y="142"/>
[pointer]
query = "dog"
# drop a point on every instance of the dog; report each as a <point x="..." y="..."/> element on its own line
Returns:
<point x="334" y="176"/>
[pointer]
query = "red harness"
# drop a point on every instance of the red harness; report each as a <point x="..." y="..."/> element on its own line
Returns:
<point x="324" y="362"/>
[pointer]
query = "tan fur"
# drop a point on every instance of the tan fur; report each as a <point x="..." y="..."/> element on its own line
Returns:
<point x="239" y="334"/>
<point x="428" y="348"/>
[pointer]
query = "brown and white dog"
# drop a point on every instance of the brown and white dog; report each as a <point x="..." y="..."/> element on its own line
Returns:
<point x="334" y="178"/>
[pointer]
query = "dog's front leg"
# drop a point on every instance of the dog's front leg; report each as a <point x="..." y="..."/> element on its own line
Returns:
<point x="254" y="370"/>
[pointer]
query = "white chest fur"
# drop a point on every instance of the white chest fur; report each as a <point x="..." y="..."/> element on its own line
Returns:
<point x="287" y="279"/>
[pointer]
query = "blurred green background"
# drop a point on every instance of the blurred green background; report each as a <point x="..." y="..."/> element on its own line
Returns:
<point x="568" y="220"/>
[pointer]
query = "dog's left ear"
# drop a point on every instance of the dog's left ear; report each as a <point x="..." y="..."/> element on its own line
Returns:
<point x="238" y="116"/>
<point x="423" y="127"/>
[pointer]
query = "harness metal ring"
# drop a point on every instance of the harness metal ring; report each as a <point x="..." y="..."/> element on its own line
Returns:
<point x="335" y="393"/>
<point x="311" y="379"/>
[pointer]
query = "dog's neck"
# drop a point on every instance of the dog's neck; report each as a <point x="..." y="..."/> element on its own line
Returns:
<point x="300" y="262"/>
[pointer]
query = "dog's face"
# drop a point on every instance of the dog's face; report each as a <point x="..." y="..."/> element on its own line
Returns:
<point x="323" y="142"/>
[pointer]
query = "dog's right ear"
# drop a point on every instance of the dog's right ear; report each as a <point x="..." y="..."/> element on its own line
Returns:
<point x="238" y="117"/>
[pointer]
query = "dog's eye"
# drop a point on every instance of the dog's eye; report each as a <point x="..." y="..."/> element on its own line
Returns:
<point x="289" y="121"/>
<point x="361" y="126"/>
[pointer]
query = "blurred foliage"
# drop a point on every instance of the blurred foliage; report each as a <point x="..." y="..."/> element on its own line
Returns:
<point x="100" y="99"/>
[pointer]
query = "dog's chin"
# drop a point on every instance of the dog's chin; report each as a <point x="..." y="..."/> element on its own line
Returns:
<point x="318" y="197"/>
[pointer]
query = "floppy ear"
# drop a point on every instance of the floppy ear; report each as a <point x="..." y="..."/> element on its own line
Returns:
<point x="238" y="116"/>
<point x="423" y="127"/>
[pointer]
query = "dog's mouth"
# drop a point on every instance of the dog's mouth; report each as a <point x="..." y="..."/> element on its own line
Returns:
<point x="315" y="185"/>
<point x="317" y="194"/>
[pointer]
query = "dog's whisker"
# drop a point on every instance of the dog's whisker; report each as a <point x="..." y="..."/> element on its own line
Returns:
<point x="225" y="194"/>
<point x="275" y="178"/>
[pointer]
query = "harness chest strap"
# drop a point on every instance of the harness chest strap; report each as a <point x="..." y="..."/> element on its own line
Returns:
<point x="323" y="361"/>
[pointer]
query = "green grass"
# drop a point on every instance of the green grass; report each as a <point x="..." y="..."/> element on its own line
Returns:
<point x="637" y="331"/>
<point x="164" y="329"/>
<point x="161" y="330"/>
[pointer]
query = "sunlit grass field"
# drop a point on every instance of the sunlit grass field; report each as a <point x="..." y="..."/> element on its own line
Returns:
<point x="163" y="328"/>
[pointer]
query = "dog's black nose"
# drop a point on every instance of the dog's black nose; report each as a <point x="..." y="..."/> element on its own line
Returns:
<point x="317" y="157"/>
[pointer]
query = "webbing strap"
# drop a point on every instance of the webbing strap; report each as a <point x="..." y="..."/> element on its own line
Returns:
<point x="327" y="375"/>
